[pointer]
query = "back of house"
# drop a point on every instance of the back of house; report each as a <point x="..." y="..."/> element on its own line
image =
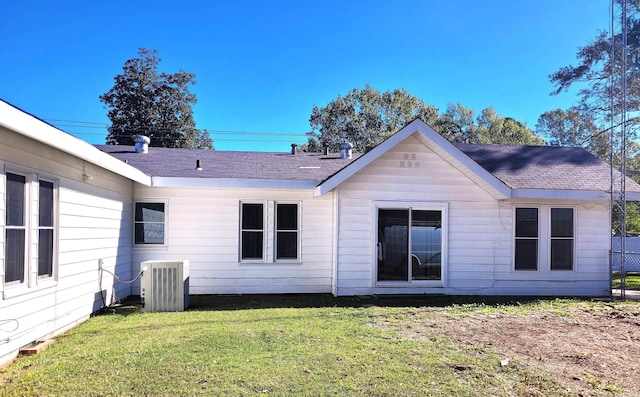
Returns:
<point x="415" y="215"/>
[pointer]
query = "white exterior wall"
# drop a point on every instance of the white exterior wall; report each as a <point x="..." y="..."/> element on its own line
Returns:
<point x="203" y="227"/>
<point x="93" y="218"/>
<point x="479" y="233"/>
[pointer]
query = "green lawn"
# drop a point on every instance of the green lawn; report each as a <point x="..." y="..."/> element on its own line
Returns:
<point x="632" y="281"/>
<point x="273" y="346"/>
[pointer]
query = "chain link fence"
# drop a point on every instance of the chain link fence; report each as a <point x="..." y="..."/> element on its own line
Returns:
<point x="632" y="259"/>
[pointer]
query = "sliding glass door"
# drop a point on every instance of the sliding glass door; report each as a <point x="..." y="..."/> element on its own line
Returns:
<point x="409" y="244"/>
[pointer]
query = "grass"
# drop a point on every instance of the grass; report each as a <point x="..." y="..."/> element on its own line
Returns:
<point x="632" y="281"/>
<point x="273" y="346"/>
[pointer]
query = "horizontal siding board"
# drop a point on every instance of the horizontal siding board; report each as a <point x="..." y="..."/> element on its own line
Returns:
<point x="203" y="227"/>
<point x="480" y="230"/>
<point x="94" y="223"/>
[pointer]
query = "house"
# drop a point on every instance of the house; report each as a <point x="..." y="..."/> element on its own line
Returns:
<point x="414" y="215"/>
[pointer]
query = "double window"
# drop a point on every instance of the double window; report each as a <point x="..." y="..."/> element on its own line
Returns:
<point x="544" y="245"/>
<point x="255" y="244"/>
<point x="30" y="221"/>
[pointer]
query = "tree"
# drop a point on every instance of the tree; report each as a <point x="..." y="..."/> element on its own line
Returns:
<point x="458" y="124"/>
<point x="494" y="128"/>
<point x="365" y="118"/>
<point x="600" y="68"/>
<point x="143" y="101"/>
<point x="567" y="128"/>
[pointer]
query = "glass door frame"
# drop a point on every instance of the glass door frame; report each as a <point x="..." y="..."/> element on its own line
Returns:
<point x="409" y="206"/>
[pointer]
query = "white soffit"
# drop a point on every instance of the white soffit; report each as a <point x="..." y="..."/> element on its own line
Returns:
<point x="27" y="125"/>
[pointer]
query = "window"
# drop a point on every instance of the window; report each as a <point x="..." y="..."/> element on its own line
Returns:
<point x="286" y="231"/>
<point x="562" y="238"/>
<point x="269" y="232"/>
<point x="410" y="244"/>
<point x="526" y="245"/>
<point x="252" y="231"/>
<point x="45" y="229"/>
<point x="15" y="229"/>
<point x="30" y="221"/>
<point x="544" y="239"/>
<point x="149" y="223"/>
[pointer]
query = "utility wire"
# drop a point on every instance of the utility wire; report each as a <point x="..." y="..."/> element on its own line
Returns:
<point x="96" y="125"/>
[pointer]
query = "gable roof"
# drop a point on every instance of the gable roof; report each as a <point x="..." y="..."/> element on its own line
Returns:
<point x="508" y="171"/>
<point x="177" y="167"/>
<point x="435" y="141"/>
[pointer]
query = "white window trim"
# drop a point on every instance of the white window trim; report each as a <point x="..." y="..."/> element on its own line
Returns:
<point x="544" y="239"/>
<point x="539" y="238"/>
<point x="573" y="246"/>
<point x="411" y="205"/>
<point x="265" y="210"/>
<point x="269" y="233"/>
<point x="298" y="231"/>
<point x="165" y="243"/>
<point x="32" y="282"/>
<point x="54" y="264"/>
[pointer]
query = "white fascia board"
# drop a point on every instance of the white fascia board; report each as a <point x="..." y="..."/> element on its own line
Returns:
<point x="559" y="194"/>
<point x="27" y="125"/>
<point x="416" y="126"/>
<point x="161" y="181"/>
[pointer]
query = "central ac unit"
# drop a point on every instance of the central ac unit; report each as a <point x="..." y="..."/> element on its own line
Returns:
<point x="164" y="286"/>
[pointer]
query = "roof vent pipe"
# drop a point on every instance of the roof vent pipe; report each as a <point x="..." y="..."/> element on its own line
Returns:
<point x="142" y="143"/>
<point x="345" y="150"/>
<point x="198" y="165"/>
<point x="294" y="148"/>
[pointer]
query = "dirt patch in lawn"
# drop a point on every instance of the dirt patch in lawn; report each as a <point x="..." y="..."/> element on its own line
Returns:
<point x="591" y="349"/>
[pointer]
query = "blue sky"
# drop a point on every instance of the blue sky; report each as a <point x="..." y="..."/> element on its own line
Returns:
<point x="261" y="66"/>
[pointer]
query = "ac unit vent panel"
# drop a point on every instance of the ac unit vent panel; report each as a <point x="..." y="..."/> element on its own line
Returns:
<point x="164" y="286"/>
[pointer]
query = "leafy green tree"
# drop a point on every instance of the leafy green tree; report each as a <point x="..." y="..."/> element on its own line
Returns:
<point x="493" y="128"/>
<point x="144" y="101"/>
<point x="197" y="139"/>
<point x="365" y="118"/>
<point x="459" y="124"/>
<point x="567" y="128"/>
<point x="599" y="71"/>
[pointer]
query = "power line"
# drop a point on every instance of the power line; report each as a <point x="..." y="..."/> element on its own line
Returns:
<point x="95" y="125"/>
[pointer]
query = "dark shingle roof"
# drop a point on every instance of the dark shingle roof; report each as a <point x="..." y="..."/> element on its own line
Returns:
<point x="181" y="163"/>
<point x="517" y="166"/>
<point x="543" y="167"/>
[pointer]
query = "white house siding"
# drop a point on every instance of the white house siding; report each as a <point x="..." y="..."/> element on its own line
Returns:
<point x="479" y="255"/>
<point x="203" y="227"/>
<point x="94" y="224"/>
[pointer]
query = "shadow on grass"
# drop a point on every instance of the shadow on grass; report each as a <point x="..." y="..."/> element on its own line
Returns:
<point x="247" y="302"/>
<point x="132" y="304"/>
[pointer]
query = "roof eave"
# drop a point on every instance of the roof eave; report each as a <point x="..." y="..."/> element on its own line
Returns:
<point x="560" y="194"/>
<point x="31" y="127"/>
<point x="238" y="183"/>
